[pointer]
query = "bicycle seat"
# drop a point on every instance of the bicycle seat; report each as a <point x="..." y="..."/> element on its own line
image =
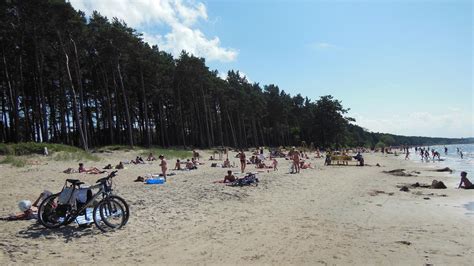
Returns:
<point x="74" y="182"/>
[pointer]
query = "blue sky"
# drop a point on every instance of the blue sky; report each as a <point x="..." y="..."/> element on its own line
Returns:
<point x="403" y="67"/>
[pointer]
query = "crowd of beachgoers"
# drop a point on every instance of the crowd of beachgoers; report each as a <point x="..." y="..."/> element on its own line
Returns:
<point x="299" y="159"/>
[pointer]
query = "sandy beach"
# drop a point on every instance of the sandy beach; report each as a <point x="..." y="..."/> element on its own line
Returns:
<point x="327" y="215"/>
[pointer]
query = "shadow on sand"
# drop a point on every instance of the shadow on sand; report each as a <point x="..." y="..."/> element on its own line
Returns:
<point x="68" y="232"/>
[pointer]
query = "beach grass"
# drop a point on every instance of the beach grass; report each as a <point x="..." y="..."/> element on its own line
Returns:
<point x="14" y="161"/>
<point x="59" y="152"/>
<point x="168" y="153"/>
<point x="28" y="148"/>
<point x="109" y="148"/>
<point x="75" y="156"/>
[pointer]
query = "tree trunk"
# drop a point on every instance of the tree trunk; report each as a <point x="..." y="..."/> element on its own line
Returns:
<point x="145" y="110"/>
<point x="234" y="138"/>
<point x="81" y="90"/>
<point x="74" y="98"/>
<point x="13" y="102"/>
<point x="127" y="111"/>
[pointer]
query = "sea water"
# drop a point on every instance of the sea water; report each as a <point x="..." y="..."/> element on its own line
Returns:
<point x="452" y="159"/>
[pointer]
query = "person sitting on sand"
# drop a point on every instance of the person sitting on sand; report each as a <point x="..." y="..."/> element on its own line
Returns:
<point x="359" y="158"/>
<point x="226" y="163"/>
<point x="92" y="170"/>
<point x="327" y="161"/>
<point x="150" y="157"/>
<point x="212" y="158"/>
<point x="177" y="166"/>
<point x="190" y="165"/>
<point x="260" y="164"/>
<point x="28" y="211"/>
<point x="465" y="183"/>
<point x="138" y="160"/>
<point x="164" y="166"/>
<point x="229" y="177"/>
<point x="119" y="166"/>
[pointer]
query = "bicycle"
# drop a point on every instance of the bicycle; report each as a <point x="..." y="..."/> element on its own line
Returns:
<point x="110" y="212"/>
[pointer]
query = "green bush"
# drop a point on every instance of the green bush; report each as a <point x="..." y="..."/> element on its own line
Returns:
<point x="27" y="148"/>
<point x="59" y="152"/>
<point x="14" y="161"/>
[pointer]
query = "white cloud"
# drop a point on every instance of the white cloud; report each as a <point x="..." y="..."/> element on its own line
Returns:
<point x="181" y="16"/>
<point x="452" y="122"/>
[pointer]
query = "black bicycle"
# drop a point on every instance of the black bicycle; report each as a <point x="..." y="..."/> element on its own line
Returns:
<point x="109" y="212"/>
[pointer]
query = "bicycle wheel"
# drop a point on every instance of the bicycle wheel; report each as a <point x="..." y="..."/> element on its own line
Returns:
<point x="124" y="205"/>
<point x="51" y="214"/>
<point x="109" y="215"/>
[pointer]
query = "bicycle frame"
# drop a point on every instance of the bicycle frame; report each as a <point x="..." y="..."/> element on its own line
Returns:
<point x="104" y="191"/>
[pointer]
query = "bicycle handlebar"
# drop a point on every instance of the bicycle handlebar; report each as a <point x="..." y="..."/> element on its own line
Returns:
<point x="112" y="174"/>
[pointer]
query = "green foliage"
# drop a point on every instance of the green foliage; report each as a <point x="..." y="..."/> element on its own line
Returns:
<point x="14" y="161"/>
<point x="387" y="139"/>
<point x="75" y="156"/>
<point x="168" y="153"/>
<point x="27" y="148"/>
<point x="380" y="145"/>
<point x="59" y="152"/>
<point x="113" y="148"/>
<point x="172" y="101"/>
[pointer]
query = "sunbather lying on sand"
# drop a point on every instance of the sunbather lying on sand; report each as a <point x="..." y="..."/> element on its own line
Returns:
<point x="92" y="170"/>
<point x="306" y="165"/>
<point x="465" y="181"/>
<point x="28" y="211"/>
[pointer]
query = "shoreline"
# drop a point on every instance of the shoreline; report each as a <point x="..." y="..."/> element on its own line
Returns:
<point x="326" y="215"/>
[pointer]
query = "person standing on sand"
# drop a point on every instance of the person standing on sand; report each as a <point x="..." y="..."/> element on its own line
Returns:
<point x="243" y="161"/>
<point x="407" y="156"/>
<point x="275" y="164"/>
<point x="164" y="166"/>
<point x="296" y="161"/>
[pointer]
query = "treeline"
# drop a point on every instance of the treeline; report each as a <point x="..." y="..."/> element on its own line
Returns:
<point x="360" y="137"/>
<point x="93" y="82"/>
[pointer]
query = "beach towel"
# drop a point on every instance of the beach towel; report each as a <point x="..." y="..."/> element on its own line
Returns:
<point x="88" y="216"/>
<point x="250" y="179"/>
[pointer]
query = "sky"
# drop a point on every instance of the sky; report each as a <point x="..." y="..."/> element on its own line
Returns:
<point x="401" y="66"/>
